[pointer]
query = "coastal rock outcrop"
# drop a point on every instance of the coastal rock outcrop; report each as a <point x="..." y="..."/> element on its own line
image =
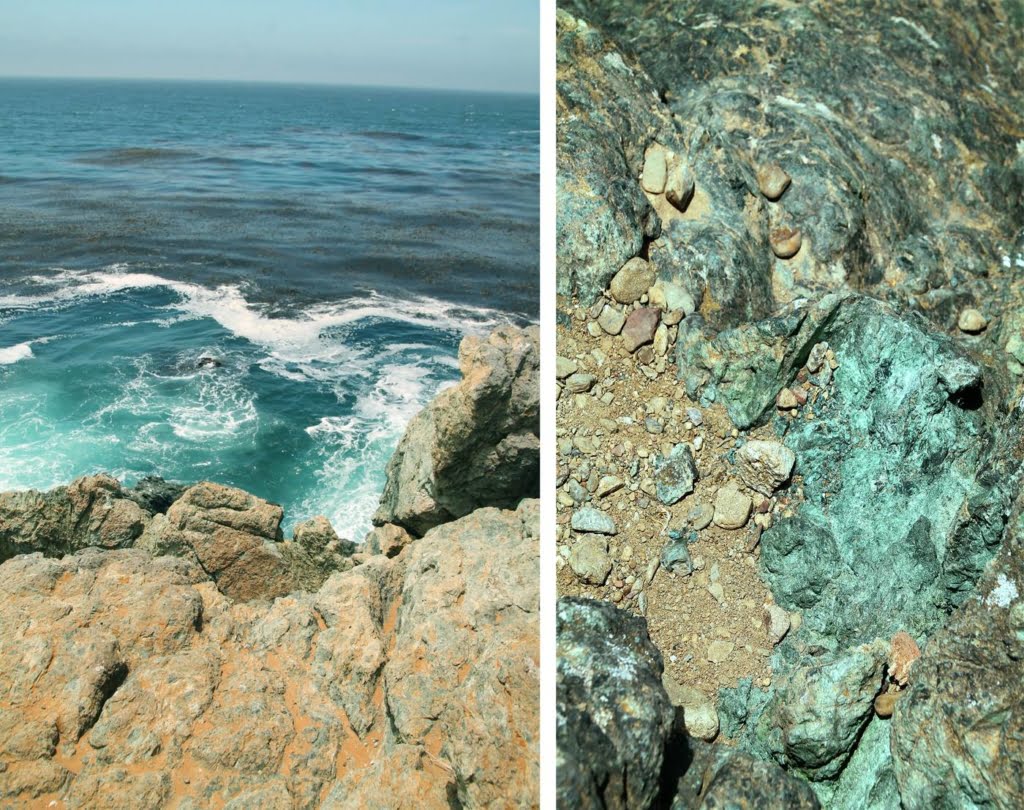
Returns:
<point x="166" y="645"/>
<point x="91" y="511"/>
<point x="477" y="444"/>
<point x="131" y="680"/>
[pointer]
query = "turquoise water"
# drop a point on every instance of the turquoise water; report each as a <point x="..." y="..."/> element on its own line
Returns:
<point x="326" y="248"/>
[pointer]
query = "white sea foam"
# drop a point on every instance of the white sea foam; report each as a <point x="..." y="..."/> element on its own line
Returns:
<point x="171" y="411"/>
<point x="299" y="339"/>
<point x="14" y="354"/>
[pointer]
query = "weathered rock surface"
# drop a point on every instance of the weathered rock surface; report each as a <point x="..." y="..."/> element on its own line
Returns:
<point x="824" y="218"/>
<point x="620" y="741"/>
<point x="614" y="718"/>
<point x="92" y="511"/>
<point x="128" y="680"/>
<point x="235" y="538"/>
<point x="720" y="778"/>
<point x="917" y="208"/>
<point x="958" y="732"/>
<point x="477" y="444"/>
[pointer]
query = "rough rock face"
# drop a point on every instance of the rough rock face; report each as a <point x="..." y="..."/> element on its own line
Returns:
<point x="959" y="730"/>
<point x="614" y="717"/>
<point x="725" y="779"/>
<point x="917" y="207"/>
<point x="128" y="680"/>
<point x="92" y="511"/>
<point x="913" y="425"/>
<point x="477" y="444"/>
<point x="235" y="538"/>
<point x="857" y="186"/>
<point x="620" y="743"/>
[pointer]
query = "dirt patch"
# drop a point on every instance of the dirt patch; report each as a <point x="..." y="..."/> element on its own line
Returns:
<point x="608" y="438"/>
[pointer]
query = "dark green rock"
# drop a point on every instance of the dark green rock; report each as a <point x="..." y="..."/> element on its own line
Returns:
<point x="958" y="732"/>
<point x="898" y="125"/>
<point x="614" y="717"/>
<point x="900" y="511"/>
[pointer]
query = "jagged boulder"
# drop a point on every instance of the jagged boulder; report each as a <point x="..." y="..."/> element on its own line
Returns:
<point x="91" y="511"/>
<point x="614" y="718"/>
<point x="129" y="680"/>
<point x="621" y="743"/>
<point x="720" y="778"/>
<point x="477" y="443"/>
<point x="154" y="494"/>
<point x="235" y="538"/>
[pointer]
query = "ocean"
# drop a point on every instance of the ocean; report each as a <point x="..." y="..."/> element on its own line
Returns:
<point x="257" y="285"/>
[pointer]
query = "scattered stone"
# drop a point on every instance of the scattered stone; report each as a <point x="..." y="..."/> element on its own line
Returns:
<point x="674" y="299"/>
<point x="674" y="475"/>
<point x="786" y="400"/>
<point x="590" y="560"/>
<point x="632" y="281"/>
<point x="607" y="485"/>
<point x="675" y="558"/>
<point x="772" y="181"/>
<point x="776" y="622"/>
<point x="640" y="328"/>
<point x="679" y="185"/>
<point x="732" y="508"/>
<point x="719" y="651"/>
<point x="590" y="520"/>
<point x="661" y="340"/>
<point x="903" y="652"/>
<point x="700" y="516"/>
<point x="699" y="714"/>
<point x="580" y="383"/>
<point x="885" y="704"/>
<point x="655" y="171"/>
<point x="816" y="359"/>
<point x="611" y="320"/>
<point x="785" y="242"/>
<point x="972" y="321"/>
<point x="564" y="367"/>
<point x="764" y="466"/>
<point x="695" y="416"/>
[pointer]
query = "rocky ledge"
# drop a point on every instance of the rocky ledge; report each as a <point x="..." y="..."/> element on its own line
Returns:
<point x="165" y="646"/>
<point x="791" y="364"/>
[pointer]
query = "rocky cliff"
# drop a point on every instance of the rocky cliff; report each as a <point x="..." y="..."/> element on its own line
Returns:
<point x="166" y="647"/>
<point x="790" y="242"/>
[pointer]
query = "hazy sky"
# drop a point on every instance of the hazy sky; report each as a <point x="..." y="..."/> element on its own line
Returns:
<point x="465" y="44"/>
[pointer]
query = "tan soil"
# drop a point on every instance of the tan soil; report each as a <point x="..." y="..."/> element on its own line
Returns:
<point x="683" y="615"/>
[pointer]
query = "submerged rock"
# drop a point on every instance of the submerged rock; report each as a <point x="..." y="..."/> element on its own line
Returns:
<point x="476" y="444"/>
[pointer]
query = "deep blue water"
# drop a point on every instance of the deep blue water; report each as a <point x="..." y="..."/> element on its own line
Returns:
<point x="329" y="247"/>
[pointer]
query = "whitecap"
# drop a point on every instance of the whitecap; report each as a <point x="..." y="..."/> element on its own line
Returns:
<point x="15" y="354"/>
